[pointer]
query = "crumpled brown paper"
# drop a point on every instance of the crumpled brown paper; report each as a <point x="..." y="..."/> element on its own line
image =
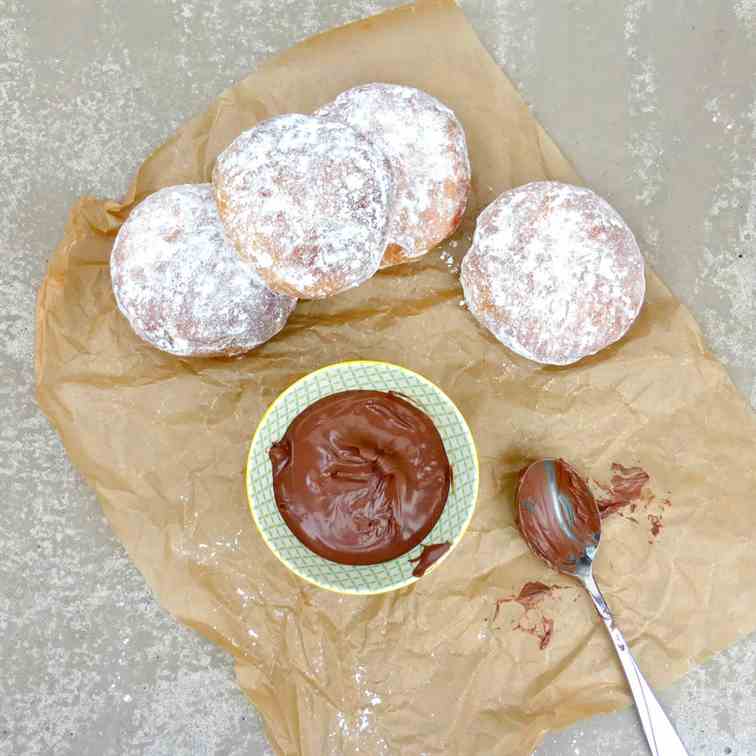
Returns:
<point x="434" y="668"/>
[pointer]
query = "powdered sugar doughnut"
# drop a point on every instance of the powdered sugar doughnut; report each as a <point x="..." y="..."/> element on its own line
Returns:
<point x="426" y="147"/>
<point x="553" y="272"/>
<point x="306" y="201"/>
<point x="180" y="283"/>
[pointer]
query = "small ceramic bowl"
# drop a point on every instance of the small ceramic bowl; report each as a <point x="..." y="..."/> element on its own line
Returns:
<point x="380" y="376"/>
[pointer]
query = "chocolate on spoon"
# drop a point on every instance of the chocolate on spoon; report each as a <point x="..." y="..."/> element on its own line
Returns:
<point x="559" y="519"/>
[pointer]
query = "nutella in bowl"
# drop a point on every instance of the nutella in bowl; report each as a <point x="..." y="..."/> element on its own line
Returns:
<point x="361" y="476"/>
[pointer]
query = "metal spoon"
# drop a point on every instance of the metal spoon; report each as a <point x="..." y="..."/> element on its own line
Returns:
<point x="559" y="519"/>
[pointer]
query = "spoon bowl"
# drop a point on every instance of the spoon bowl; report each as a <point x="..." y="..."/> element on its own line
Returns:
<point x="558" y="517"/>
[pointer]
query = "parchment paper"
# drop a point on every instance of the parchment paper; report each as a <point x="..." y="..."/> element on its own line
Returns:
<point x="433" y="669"/>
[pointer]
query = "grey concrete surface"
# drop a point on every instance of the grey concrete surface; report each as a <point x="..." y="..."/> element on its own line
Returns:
<point x="655" y="102"/>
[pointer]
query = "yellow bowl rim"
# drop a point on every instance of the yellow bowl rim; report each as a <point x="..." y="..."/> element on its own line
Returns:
<point x="281" y="397"/>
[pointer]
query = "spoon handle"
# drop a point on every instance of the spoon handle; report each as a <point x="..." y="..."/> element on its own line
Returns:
<point x="662" y="738"/>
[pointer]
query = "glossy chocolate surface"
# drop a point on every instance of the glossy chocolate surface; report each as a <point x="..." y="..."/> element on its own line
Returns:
<point x="361" y="477"/>
<point x="557" y="513"/>
<point x="428" y="557"/>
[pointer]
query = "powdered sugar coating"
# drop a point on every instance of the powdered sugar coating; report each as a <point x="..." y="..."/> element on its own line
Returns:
<point x="180" y="283"/>
<point x="426" y="147"/>
<point x="306" y="201"/>
<point x="554" y="272"/>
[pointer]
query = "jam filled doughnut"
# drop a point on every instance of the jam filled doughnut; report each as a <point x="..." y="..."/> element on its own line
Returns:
<point x="553" y="272"/>
<point x="180" y="283"/>
<point x="306" y="202"/>
<point x="425" y="145"/>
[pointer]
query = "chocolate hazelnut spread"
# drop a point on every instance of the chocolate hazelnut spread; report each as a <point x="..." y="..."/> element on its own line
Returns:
<point x="361" y="477"/>
<point x="428" y="557"/>
<point x="557" y="534"/>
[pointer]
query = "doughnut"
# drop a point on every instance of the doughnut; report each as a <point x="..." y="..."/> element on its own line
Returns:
<point x="180" y="283"/>
<point x="425" y="145"/>
<point x="553" y="272"/>
<point x="306" y="202"/>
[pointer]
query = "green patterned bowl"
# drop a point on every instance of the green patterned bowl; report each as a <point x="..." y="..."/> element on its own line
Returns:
<point x="380" y="376"/>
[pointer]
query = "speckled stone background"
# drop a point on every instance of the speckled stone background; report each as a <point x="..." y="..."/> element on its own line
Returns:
<point x="653" y="100"/>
